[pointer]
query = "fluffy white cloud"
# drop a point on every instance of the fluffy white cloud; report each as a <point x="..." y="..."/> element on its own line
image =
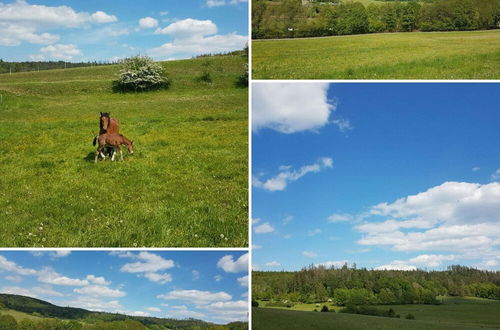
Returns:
<point x="189" y="28"/>
<point x="148" y="23"/>
<point x="290" y="107"/>
<point x="158" y="278"/>
<point x="230" y="266"/>
<point x="95" y="303"/>
<point x="60" y="253"/>
<point x="36" y="291"/>
<point x="153" y="309"/>
<point x="196" y="296"/>
<point x="396" y="266"/>
<point x="218" y="278"/>
<point x="184" y="312"/>
<point x="496" y="176"/>
<point x="459" y="217"/>
<point x="7" y="265"/>
<point x="50" y="276"/>
<point x="243" y="281"/>
<point x="100" y="291"/>
<point x="272" y="264"/>
<point x="340" y="217"/>
<point x="97" y="280"/>
<point x="193" y="37"/>
<point x="264" y="228"/>
<point x="149" y="262"/>
<point x="64" y="52"/>
<point x="14" y="278"/>
<point x="287" y="175"/>
<point x="228" y="311"/>
<point x="218" y="3"/>
<point x="21" y="21"/>
<point x="309" y="254"/>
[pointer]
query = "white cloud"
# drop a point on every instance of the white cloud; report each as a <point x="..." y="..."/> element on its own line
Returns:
<point x="256" y="246"/>
<point x="195" y="275"/>
<point x="158" y="278"/>
<point x="153" y="309"/>
<point x="184" y="312"/>
<point x="102" y="17"/>
<point x="228" y="311"/>
<point x="148" y="23"/>
<point x="32" y="292"/>
<point x="22" y="22"/>
<point x="431" y="260"/>
<point x="475" y="169"/>
<point x="14" y="278"/>
<point x="64" y="52"/>
<point x="149" y="262"/>
<point x="60" y="253"/>
<point x="218" y="278"/>
<point x="287" y="175"/>
<point x="196" y="296"/>
<point x="255" y="220"/>
<point x="100" y="291"/>
<point x="290" y="107"/>
<point x="6" y="265"/>
<point x="340" y="217"/>
<point x="287" y="220"/>
<point x="50" y="276"/>
<point x="97" y="280"/>
<point x="309" y="254"/>
<point x="342" y="124"/>
<point x="396" y="267"/>
<point x="272" y="264"/>
<point x="230" y="266"/>
<point x="314" y="232"/>
<point x="264" y="228"/>
<point x="496" y="176"/>
<point x="455" y="216"/>
<point x="193" y="37"/>
<point x="243" y="281"/>
<point x="215" y="3"/>
<point x="95" y="303"/>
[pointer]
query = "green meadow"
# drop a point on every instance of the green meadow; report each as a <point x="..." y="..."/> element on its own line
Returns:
<point x="453" y="313"/>
<point x="185" y="185"/>
<point x="408" y="55"/>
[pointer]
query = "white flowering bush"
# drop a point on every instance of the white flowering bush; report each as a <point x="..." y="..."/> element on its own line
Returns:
<point x="141" y="73"/>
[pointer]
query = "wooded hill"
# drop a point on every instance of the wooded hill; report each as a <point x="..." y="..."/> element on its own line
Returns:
<point x="48" y="311"/>
<point x="351" y="286"/>
<point x="293" y="18"/>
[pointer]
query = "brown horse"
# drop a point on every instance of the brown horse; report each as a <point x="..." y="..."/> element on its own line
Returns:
<point x="107" y="125"/>
<point x="115" y="141"/>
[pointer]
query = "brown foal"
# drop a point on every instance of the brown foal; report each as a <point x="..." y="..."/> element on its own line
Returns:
<point x="115" y="141"/>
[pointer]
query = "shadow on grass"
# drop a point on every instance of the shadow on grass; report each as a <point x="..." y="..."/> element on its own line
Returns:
<point x="90" y="157"/>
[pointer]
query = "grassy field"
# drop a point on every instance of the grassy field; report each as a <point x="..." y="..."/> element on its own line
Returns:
<point x="414" y="55"/>
<point x="454" y="313"/>
<point x="185" y="185"/>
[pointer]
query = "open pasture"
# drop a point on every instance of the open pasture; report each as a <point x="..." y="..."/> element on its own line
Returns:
<point x="454" y="313"/>
<point x="410" y="55"/>
<point x="185" y="184"/>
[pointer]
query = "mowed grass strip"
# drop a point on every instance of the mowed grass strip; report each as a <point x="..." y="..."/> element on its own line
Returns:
<point x="454" y="313"/>
<point x="413" y="55"/>
<point x="185" y="185"/>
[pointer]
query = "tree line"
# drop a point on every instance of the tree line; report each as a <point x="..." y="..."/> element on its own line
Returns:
<point x="351" y="286"/>
<point x="12" y="67"/>
<point x="292" y="18"/>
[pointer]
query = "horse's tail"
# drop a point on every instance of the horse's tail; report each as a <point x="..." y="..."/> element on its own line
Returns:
<point x="95" y="140"/>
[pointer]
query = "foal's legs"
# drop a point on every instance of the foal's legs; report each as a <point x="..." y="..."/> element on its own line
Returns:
<point x="114" y="152"/>
<point x="121" y="153"/>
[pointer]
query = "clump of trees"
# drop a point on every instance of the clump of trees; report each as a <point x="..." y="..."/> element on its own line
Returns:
<point x="367" y="310"/>
<point x="347" y="286"/>
<point x="139" y="74"/>
<point x="290" y="18"/>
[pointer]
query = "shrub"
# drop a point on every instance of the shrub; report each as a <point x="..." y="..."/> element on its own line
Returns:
<point x="205" y="75"/>
<point x="243" y="79"/>
<point x="410" y="316"/>
<point x="324" y="309"/>
<point x="140" y="73"/>
<point x="255" y="303"/>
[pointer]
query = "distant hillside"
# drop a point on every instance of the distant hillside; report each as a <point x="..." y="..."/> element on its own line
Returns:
<point x="32" y="305"/>
<point x="12" y="67"/>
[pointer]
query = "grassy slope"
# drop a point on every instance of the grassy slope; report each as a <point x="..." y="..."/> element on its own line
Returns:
<point x="415" y="55"/>
<point x="185" y="185"/>
<point x="454" y="313"/>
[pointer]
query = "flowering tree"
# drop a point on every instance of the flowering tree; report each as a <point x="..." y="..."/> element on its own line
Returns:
<point x="141" y="73"/>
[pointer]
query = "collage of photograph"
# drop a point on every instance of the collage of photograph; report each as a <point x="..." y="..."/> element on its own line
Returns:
<point x="249" y="164"/>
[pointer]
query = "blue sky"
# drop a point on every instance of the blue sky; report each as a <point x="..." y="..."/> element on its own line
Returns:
<point x="110" y="30"/>
<point x="207" y="285"/>
<point x="387" y="176"/>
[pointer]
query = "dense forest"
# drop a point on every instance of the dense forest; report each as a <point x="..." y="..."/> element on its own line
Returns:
<point x="55" y="317"/>
<point x="11" y="67"/>
<point x="350" y="286"/>
<point x="293" y="18"/>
